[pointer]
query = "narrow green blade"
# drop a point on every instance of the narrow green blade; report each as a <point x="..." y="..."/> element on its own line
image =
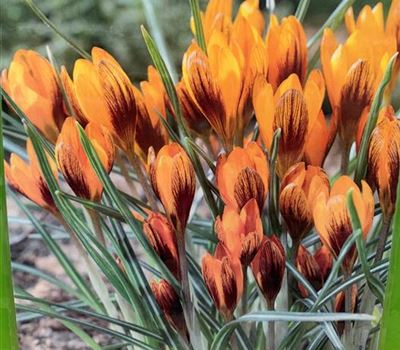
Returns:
<point x="8" y="326"/>
<point x="390" y="335"/>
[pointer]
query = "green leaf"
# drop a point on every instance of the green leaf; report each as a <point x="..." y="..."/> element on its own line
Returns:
<point x="302" y="9"/>
<point x="362" y="161"/>
<point x="390" y="335"/>
<point x="8" y="327"/>
<point x="373" y="283"/>
<point x="221" y="339"/>
<point x="198" y="24"/>
<point x="274" y="184"/>
<point x="47" y="22"/>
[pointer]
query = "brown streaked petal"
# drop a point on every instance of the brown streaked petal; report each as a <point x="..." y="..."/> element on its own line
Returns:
<point x="250" y="245"/>
<point x="268" y="267"/>
<point x="162" y="237"/>
<point x="249" y="185"/>
<point x="325" y="260"/>
<point x="356" y="95"/>
<point x="292" y="117"/>
<point x="295" y="211"/>
<point x="310" y="269"/>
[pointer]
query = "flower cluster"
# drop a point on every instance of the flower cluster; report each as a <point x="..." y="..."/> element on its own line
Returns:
<point x="256" y="130"/>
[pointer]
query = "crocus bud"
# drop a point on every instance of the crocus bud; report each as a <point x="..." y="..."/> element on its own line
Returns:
<point x="223" y="277"/>
<point x="74" y="163"/>
<point x="299" y="188"/>
<point x="340" y="304"/>
<point x="243" y="175"/>
<point x="332" y="217"/>
<point x="162" y="237"/>
<point x="384" y="159"/>
<point x="106" y="96"/>
<point x="287" y="50"/>
<point x="241" y="233"/>
<point x="315" y="268"/>
<point x="31" y="82"/>
<point x="27" y="179"/>
<point x="170" y="305"/>
<point x="174" y="182"/>
<point x="268" y="268"/>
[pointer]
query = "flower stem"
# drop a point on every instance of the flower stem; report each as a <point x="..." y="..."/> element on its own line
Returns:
<point x="367" y="304"/>
<point x="125" y="173"/>
<point x="95" y="221"/>
<point x="245" y="291"/>
<point x="271" y="328"/>
<point x="344" y="165"/>
<point x="347" y="309"/>
<point x="137" y="167"/>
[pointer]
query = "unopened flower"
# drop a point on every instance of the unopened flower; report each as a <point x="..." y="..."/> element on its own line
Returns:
<point x="340" y="305"/>
<point x="315" y="268"/>
<point x="162" y="237"/>
<point x="152" y="104"/>
<point x="170" y="305"/>
<point x="74" y="163"/>
<point x="27" y="179"/>
<point x="287" y="50"/>
<point x="384" y="159"/>
<point x="332" y="218"/>
<point x="300" y="188"/>
<point x="223" y="277"/>
<point x="106" y="96"/>
<point x="31" y="82"/>
<point x="174" y="182"/>
<point x="241" y="233"/>
<point x="354" y="69"/>
<point x="297" y="111"/>
<point x="268" y="268"/>
<point x="243" y="175"/>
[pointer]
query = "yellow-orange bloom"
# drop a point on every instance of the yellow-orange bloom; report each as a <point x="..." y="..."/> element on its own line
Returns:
<point x="162" y="237"/>
<point x="106" y="96"/>
<point x="315" y="268"/>
<point x="300" y="188"/>
<point x="221" y="82"/>
<point x="169" y="303"/>
<point x="174" y="182"/>
<point x="268" y="268"/>
<point x="332" y="217"/>
<point x="152" y="105"/>
<point x="384" y="159"/>
<point x="74" y="163"/>
<point x="241" y="233"/>
<point x="297" y="112"/>
<point x="354" y="69"/>
<point x="31" y="82"/>
<point x="27" y="179"/>
<point x="287" y="50"/>
<point x="223" y="277"/>
<point x="243" y="175"/>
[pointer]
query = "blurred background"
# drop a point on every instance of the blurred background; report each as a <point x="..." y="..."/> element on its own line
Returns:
<point x="115" y="26"/>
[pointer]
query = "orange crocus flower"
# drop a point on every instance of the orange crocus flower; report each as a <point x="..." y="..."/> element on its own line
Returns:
<point x="106" y="96"/>
<point x="192" y="113"/>
<point x="153" y="104"/>
<point x="169" y="303"/>
<point x="173" y="180"/>
<point x="243" y="175"/>
<point x="162" y="237"/>
<point x="27" y="179"/>
<point x="221" y="83"/>
<point x="384" y="159"/>
<point x="223" y="277"/>
<point x="314" y="267"/>
<point x="74" y="163"/>
<point x="299" y="189"/>
<point x="31" y="82"/>
<point x="354" y="69"/>
<point x="297" y="112"/>
<point x="241" y="233"/>
<point x="268" y="268"/>
<point x="287" y="50"/>
<point x="332" y="217"/>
